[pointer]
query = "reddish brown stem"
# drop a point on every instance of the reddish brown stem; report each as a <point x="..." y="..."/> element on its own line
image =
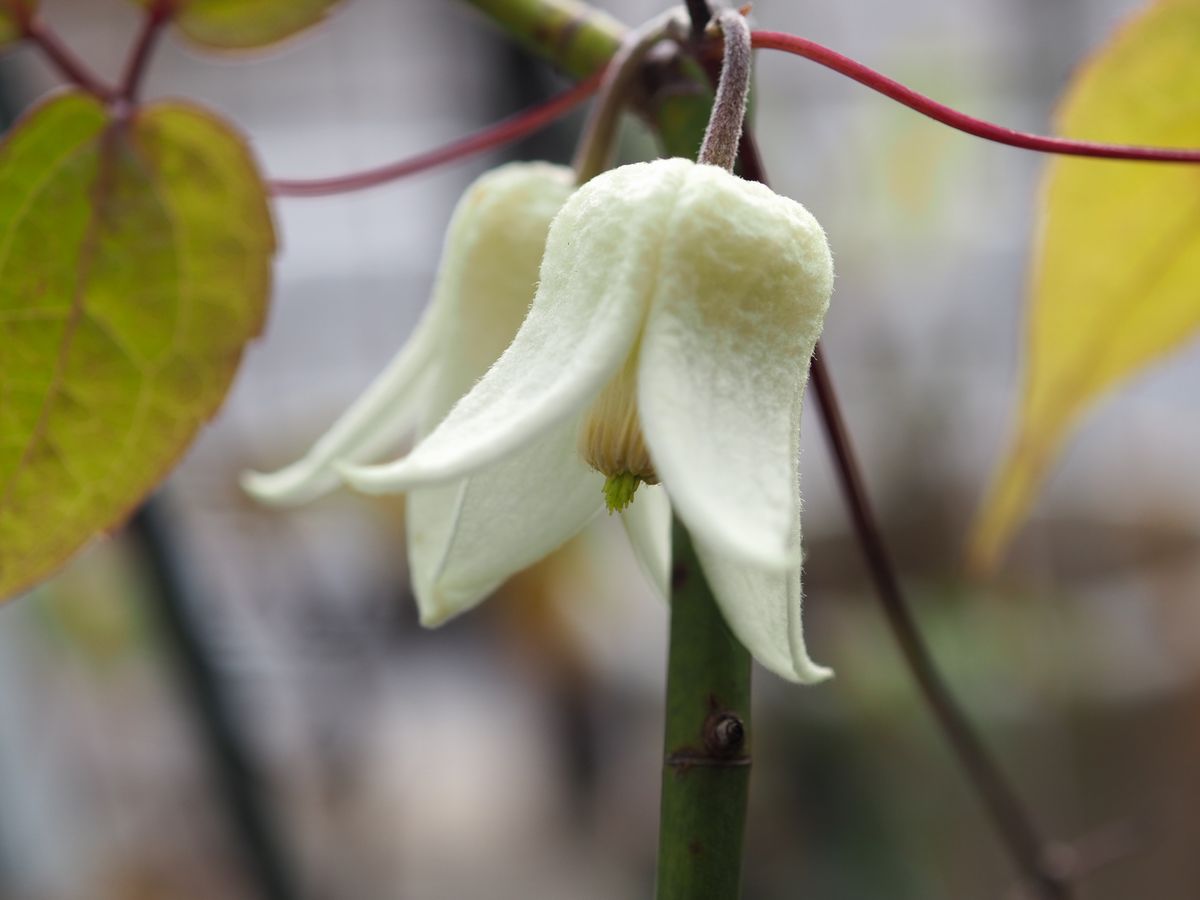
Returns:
<point x="157" y="15"/>
<point x="504" y="132"/>
<point x="700" y="13"/>
<point x="876" y="81"/>
<point x="521" y="124"/>
<point x="1012" y="822"/>
<point x="64" y="59"/>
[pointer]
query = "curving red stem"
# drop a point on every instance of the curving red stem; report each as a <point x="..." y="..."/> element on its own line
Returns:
<point x="876" y="81"/>
<point x="503" y="132"/>
<point x="523" y="123"/>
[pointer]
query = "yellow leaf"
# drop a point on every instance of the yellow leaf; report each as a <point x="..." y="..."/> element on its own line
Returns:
<point x="134" y="268"/>
<point x="1116" y="270"/>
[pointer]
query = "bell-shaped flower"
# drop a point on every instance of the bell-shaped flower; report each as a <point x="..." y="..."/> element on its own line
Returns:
<point x="668" y="342"/>
<point x="487" y="275"/>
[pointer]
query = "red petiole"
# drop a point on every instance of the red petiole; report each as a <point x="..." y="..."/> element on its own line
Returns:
<point x="503" y="132"/>
<point x="64" y="59"/>
<point x="876" y="81"/>
<point x="517" y="126"/>
<point x="536" y="117"/>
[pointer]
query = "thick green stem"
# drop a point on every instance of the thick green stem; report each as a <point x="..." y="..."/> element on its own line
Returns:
<point x="706" y="769"/>
<point x="575" y="37"/>
<point x="580" y="40"/>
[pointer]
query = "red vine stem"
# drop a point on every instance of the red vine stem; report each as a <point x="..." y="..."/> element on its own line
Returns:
<point x="1012" y="822"/>
<point x="503" y="132"/>
<point x="157" y="15"/>
<point x="876" y="81"/>
<point x="523" y="123"/>
<point x="64" y="59"/>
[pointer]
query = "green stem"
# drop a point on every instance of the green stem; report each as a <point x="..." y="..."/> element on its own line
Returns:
<point x="581" y="40"/>
<point x="706" y="772"/>
<point x="706" y="769"/>
<point x="575" y="37"/>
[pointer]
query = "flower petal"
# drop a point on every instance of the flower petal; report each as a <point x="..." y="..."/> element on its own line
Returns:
<point x="741" y="298"/>
<point x="647" y="523"/>
<point x="597" y="275"/>
<point x="487" y="273"/>
<point x="373" y="424"/>
<point x="762" y="609"/>
<point x="491" y="288"/>
<point x="466" y="538"/>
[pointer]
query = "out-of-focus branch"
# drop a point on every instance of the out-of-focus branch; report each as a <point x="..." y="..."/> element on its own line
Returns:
<point x="64" y="59"/>
<point x="577" y="38"/>
<point x="506" y="131"/>
<point x="1012" y="821"/>
<point x="940" y="112"/>
<point x="157" y="15"/>
<point x="239" y="789"/>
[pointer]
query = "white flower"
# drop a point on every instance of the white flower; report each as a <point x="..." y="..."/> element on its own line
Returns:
<point x="669" y="341"/>
<point x="459" y="546"/>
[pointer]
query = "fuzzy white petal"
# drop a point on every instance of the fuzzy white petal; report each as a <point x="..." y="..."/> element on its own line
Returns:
<point x="762" y="609"/>
<point x="487" y="274"/>
<point x="647" y="523"/>
<point x="494" y="284"/>
<point x="597" y="275"/>
<point x="467" y="537"/>
<point x="373" y="424"/>
<point x="741" y="298"/>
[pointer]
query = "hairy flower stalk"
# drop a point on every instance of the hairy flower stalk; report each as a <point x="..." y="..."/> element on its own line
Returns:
<point x="724" y="133"/>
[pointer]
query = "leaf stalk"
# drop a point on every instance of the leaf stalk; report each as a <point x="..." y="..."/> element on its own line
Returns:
<point x="63" y="58"/>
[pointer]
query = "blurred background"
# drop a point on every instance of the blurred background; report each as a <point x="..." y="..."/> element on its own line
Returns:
<point x="515" y="753"/>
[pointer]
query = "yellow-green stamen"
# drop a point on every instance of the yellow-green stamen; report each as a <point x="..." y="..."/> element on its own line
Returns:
<point x="619" y="491"/>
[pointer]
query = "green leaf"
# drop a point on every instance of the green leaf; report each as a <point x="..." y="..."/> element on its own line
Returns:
<point x="134" y="267"/>
<point x="1116" y="278"/>
<point x="12" y="14"/>
<point x="246" y="24"/>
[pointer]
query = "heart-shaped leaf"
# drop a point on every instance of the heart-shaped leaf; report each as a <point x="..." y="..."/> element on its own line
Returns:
<point x="134" y="267"/>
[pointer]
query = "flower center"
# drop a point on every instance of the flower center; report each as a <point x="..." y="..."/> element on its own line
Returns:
<point x="611" y="440"/>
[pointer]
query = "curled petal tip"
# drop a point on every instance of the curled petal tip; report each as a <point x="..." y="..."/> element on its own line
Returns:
<point x="400" y="476"/>
<point x="283" y="488"/>
<point x="797" y="667"/>
<point x="434" y="616"/>
<point x="808" y="672"/>
<point x="379" y="479"/>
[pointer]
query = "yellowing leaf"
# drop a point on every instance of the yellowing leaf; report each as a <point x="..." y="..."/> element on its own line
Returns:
<point x="1116" y="276"/>
<point x="134" y="267"/>
<point x="245" y="24"/>
<point x="12" y="14"/>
